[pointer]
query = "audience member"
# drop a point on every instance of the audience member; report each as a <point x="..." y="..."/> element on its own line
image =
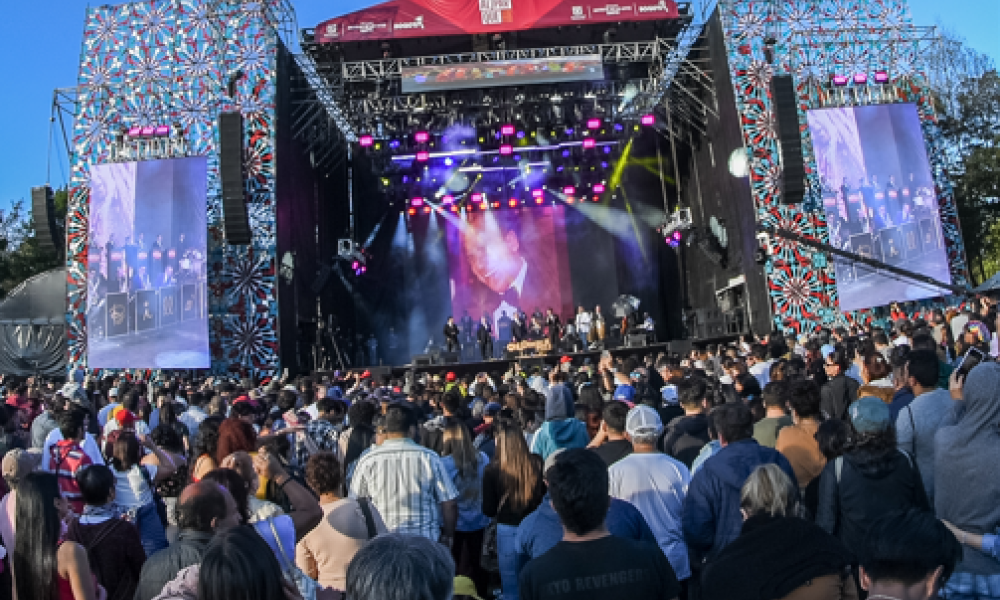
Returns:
<point x="919" y="422"/>
<point x="686" y="436"/>
<point x="766" y="430"/>
<point x="401" y="567"/>
<point x="614" y="446"/>
<point x="798" y="442"/>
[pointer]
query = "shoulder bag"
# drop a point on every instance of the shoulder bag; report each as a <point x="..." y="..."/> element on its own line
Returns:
<point x="366" y="510"/>
<point x="306" y="586"/>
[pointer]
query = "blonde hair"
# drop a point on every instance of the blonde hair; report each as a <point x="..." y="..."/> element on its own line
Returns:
<point x="768" y="490"/>
<point x="458" y="445"/>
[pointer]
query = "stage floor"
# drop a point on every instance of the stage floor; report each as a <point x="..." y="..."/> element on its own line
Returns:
<point x="171" y="347"/>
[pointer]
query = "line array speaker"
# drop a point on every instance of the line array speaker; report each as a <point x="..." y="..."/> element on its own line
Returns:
<point x="793" y="171"/>
<point x="234" y="208"/>
<point x="44" y="215"/>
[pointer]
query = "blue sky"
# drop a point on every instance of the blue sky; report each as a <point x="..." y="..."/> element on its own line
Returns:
<point x="40" y="43"/>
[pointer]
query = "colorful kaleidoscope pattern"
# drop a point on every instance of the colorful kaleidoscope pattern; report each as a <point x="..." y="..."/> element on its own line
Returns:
<point x="801" y="283"/>
<point x="157" y="62"/>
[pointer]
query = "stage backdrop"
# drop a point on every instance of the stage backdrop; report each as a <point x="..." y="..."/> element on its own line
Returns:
<point x="162" y="62"/>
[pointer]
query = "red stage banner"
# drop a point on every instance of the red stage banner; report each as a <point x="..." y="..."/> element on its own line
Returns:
<point x="420" y="18"/>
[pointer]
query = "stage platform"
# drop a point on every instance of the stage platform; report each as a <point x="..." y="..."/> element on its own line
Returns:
<point x="503" y="365"/>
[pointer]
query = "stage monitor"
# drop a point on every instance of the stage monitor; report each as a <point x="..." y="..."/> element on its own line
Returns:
<point x="147" y="285"/>
<point x="428" y="78"/>
<point x="880" y="202"/>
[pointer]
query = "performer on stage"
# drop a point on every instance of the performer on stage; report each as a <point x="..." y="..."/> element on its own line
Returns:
<point x="484" y="336"/>
<point x="451" y="335"/>
<point x="893" y="202"/>
<point x="505" y="329"/>
<point x="537" y="330"/>
<point x="518" y="328"/>
<point x="553" y="327"/>
<point x="583" y="320"/>
<point x="598" y="327"/>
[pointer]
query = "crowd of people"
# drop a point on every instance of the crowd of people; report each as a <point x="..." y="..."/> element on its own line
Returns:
<point x="832" y="465"/>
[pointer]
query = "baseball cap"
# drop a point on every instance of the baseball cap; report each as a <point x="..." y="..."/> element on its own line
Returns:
<point x="643" y="420"/>
<point x="979" y="330"/>
<point x="18" y="462"/>
<point x="870" y="415"/>
<point x="124" y="417"/>
<point x="464" y="587"/>
<point x="450" y="377"/>
<point x="565" y="360"/>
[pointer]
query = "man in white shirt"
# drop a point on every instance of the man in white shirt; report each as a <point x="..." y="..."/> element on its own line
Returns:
<point x="89" y="445"/>
<point x="655" y="484"/>
<point x="583" y="319"/>
<point x="105" y="413"/>
<point x="760" y="367"/>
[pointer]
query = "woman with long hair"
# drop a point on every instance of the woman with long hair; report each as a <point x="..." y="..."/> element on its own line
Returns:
<point x="871" y="479"/>
<point x="512" y="489"/>
<point x="778" y="554"/>
<point x="466" y="465"/>
<point x="875" y="372"/>
<point x="235" y="435"/>
<point x="206" y="444"/>
<point x="135" y="480"/>
<point x="46" y="568"/>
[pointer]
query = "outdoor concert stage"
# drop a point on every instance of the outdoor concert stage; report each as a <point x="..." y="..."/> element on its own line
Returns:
<point x="407" y="162"/>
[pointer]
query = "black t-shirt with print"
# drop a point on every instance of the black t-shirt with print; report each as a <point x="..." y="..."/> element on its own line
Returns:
<point x="602" y="569"/>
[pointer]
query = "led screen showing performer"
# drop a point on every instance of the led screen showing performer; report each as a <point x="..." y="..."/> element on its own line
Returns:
<point x="147" y="277"/>
<point x="880" y="202"/>
<point x="502" y="261"/>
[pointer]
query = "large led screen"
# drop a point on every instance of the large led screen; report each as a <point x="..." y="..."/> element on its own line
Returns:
<point x="147" y="279"/>
<point x="879" y="199"/>
<point x="427" y="78"/>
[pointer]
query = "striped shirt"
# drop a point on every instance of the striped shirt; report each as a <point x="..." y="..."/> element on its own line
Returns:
<point x="65" y="459"/>
<point x="407" y="483"/>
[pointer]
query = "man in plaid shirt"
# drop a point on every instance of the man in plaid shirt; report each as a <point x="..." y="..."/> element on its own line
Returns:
<point x="66" y="457"/>
<point x="323" y="433"/>
<point x="407" y="483"/>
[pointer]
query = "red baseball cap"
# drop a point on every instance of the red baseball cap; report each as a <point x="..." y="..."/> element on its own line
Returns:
<point x="565" y="359"/>
<point x="450" y="377"/>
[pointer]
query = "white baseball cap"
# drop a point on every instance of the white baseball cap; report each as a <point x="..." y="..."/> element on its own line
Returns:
<point x="643" y="420"/>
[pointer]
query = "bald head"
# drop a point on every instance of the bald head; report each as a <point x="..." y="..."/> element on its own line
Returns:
<point x="206" y="506"/>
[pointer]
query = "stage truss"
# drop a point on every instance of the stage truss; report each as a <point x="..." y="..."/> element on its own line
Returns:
<point x="814" y="39"/>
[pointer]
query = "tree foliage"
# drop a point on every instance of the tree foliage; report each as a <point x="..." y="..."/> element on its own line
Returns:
<point x="967" y="95"/>
<point x="21" y="255"/>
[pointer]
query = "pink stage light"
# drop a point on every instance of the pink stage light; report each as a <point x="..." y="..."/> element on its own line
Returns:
<point x="648" y="119"/>
<point x="881" y="77"/>
<point x="593" y="123"/>
<point x="421" y="137"/>
<point x="448" y="199"/>
<point x="423" y="156"/>
<point x="477" y="197"/>
<point x="840" y="80"/>
<point x="148" y="131"/>
<point x="506" y="130"/>
<point x="537" y="193"/>
<point x="506" y="150"/>
<point x="366" y="140"/>
<point x="569" y="190"/>
<point x="417" y="202"/>
<point x="162" y="131"/>
<point x="860" y="78"/>
<point x="355" y="265"/>
<point x="134" y="131"/>
<point x="677" y="236"/>
<point x="598" y="188"/>
<point x="589" y="143"/>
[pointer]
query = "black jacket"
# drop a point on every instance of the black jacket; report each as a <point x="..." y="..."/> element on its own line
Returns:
<point x="162" y="567"/>
<point x="870" y="487"/>
<point x="685" y="437"/>
<point x="836" y="395"/>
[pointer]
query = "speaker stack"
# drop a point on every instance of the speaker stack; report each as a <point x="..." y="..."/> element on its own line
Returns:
<point x="44" y="215"/>
<point x="786" y="111"/>
<point x="235" y="223"/>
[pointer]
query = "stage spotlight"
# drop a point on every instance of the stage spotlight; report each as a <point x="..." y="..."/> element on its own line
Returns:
<point x="589" y="143"/>
<point x="366" y="141"/>
<point x="413" y="211"/>
<point x="839" y="80"/>
<point x="454" y="208"/>
<point x="537" y="193"/>
<point x="512" y="202"/>
<point x="421" y="137"/>
<point x="739" y="166"/>
<point x="394" y="144"/>
<point x="495" y="204"/>
<point x="507" y="130"/>
<point x="427" y="209"/>
<point x="539" y="200"/>
<point x="881" y="77"/>
<point x="593" y="123"/>
<point x="860" y="78"/>
<point x="449" y="161"/>
<point x="569" y="190"/>
<point x="506" y="150"/>
<point x="423" y="156"/>
<point x="599" y="188"/>
<point x="417" y="202"/>
<point x="648" y="119"/>
<point x="448" y="199"/>
<point x="355" y="265"/>
<point x="477" y="197"/>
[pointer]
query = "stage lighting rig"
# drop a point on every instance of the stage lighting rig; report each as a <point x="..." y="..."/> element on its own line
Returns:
<point x="351" y="252"/>
<point x="674" y="224"/>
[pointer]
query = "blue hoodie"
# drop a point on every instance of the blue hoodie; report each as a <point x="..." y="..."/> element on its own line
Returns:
<point x="561" y="429"/>
<point x="711" y="516"/>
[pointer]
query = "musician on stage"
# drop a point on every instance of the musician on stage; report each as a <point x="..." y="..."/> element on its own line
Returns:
<point x="505" y="329"/>
<point x="451" y="335"/>
<point x="598" y="327"/>
<point x="466" y="327"/>
<point x="484" y="336"/>
<point x="553" y="327"/>
<point x="518" y="328"/>
<point x="583" y="320"/>
<point x="536" y="330"/>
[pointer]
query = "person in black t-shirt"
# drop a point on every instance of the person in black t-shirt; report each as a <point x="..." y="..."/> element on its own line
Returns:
<point x="589" y="563"/>
<point x="615" y="446"/>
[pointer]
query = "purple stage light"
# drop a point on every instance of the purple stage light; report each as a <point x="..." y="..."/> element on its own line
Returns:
<point x="506" y="150"/>
<point x="604" y="164"/>
<point x="593" y="123"/>
<point x="537" y="193"/>
<point x="416" y="202"/>
<point x="648" y="119"/>
<point x="134" y="131"/>
<point x="423" y="156"/>
<point x="147" y="131"/>
<point x="599" y="188"/>
<point x="366" y="140"/>
<point x="860" y="78"/>
<point x="569" y="131"/>
<point x="421" y="137"/>
<point x="162" y="131"/>
<point x="589" y="143"/>
<point x="881" y="77"/>
<point x="619" y="127"/>
<point x="607" y="149"/>
<point x="520" y="135"/>
<point x="394" y="144"/>
<point x="517" y="157"/>
<point x="840" y="80"/>
<point x="559" y="169"/>
<point x="565" y="153"/>
<point x="569" y="190"/>
<point x="507" y="129"/>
